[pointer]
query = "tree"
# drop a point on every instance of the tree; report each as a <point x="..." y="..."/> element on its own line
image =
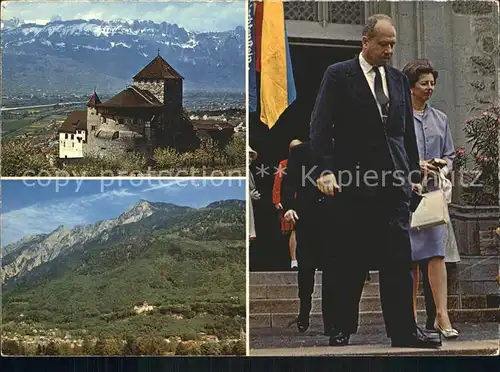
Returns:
<point x="239" y="348"/>
<point x="108" y="346"/>
<point x="39" y="350"/>
<point x="226" y="349"/>
<point x="210" y="348"/>
<point x="52" y="349"/>
<point x="131" y="347"/>
<point x="10" y="347"/>
<point x="87" y="347"/>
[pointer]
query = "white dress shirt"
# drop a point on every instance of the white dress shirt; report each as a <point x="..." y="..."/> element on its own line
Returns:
<point x="370" y="78"/>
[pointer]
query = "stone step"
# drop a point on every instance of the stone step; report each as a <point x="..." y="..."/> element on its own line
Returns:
<point x="367" y="303"/>
<point x="260" y="291"/>
<point x="290" y="277"/>
<point x="282" y="320"/>
<point x="451" y="348"/>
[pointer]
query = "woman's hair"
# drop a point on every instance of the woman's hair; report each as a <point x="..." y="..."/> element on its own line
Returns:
<point x="418" y="67"/>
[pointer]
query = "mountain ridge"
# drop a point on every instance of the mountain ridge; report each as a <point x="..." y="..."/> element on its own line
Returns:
<point x="82" y="49"/>
<point x="186" y="264"/>
<point x="32" y="251"/>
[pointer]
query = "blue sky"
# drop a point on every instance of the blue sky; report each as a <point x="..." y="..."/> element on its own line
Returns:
<point x="193" y="16"/>
<point x="40" y="206"/>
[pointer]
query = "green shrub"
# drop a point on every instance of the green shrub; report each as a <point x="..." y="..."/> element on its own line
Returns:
<point x="236" y="150"/>
<point x="21" y="158"/>
<point x="10" y="347"/>
<point x="239" y="348"/>
<point x="187" y="348"/>
<point x="210" y="348"/>
<point x="226" y="349"/>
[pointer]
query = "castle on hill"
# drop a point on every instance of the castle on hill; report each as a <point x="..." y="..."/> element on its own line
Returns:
<point x="147" y="114"/>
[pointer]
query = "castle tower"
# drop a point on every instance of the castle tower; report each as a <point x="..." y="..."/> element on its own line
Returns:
<point x="166" y="84"/>
<point x="93" y="121"/>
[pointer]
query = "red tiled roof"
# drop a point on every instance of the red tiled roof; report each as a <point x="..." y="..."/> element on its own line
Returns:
<point x="94" y="100"/>
<point x="76" y="120"/>
<point x="130" y="97"/>
<point x="157" y="69"/>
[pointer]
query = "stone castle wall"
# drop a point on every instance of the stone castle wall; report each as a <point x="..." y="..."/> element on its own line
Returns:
<point x="127" y="125"/>
<point x="157" y="88"/>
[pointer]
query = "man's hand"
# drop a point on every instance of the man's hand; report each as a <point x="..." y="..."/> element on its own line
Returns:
<point x="417" y="187"/>
<point x="278" y="206"/>
<point x="291" y="216"/>
<point x="327" y="184"/>
<point x="254" y="194"/>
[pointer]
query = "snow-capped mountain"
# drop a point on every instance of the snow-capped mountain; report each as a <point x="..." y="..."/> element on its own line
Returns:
<point x="110" y="53"/>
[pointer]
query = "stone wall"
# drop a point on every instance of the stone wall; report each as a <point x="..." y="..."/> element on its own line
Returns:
<point x="474" y="229"/>
<point x="461" y="39"/>
<point x="155" y="87"/>
<point x="474" y="276"/>
<point x="128" y="124"/>
<point x="115" y="147"/>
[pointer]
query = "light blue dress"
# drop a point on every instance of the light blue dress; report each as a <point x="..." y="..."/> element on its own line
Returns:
<point x="434" y="141"/>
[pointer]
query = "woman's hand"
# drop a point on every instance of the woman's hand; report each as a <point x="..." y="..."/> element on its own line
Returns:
<point x="427" y="168"/>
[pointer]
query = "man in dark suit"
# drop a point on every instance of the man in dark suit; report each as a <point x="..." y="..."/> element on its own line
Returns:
<point x="305" y="206"/>
<point x="363" y="136"/>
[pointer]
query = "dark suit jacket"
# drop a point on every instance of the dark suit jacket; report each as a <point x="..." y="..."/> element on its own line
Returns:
<point x="299" y="190"/>
<point x="347" y="132"/>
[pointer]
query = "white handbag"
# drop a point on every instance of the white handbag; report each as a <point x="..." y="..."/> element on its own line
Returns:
<point x="432" y="210"/>
<point x="445" y="185"/>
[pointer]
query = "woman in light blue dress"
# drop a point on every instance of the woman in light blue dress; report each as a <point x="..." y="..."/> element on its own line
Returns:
<point x="436" y="150"/>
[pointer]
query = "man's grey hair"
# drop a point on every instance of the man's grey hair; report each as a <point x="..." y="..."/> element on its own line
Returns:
<point x="369" y="29"/>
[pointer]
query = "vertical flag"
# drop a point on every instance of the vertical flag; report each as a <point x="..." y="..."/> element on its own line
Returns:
<point x="277" y="89"/>
<point x="271" y="57"/>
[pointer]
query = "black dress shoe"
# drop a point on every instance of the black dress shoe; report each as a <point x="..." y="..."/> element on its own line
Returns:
<point x="418" y="340"/>
<point x="339" y="339"/>
<point x="302" y="323"/>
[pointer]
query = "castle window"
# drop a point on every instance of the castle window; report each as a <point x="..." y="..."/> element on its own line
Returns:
<point x="66" y="136"/>
<point x="92" y="127"/>
<point x="72" y="136"/>
<point x="72" y="144"/>
<point x="121" y="121"/>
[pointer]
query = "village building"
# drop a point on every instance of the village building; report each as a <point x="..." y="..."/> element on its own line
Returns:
<point x="146" y="115"/>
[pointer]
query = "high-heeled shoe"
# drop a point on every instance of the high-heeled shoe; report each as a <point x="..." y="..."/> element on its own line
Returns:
<point x="446" y="333"/>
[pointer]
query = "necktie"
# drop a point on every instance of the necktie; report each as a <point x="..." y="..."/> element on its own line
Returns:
<point x="382" y="99"/>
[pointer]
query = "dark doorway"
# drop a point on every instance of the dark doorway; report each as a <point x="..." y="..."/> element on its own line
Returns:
<point x="269" y="252"/>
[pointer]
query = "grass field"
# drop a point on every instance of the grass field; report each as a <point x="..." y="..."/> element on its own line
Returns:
<point x="9" y="125"/>
<point x="33" y="123"/>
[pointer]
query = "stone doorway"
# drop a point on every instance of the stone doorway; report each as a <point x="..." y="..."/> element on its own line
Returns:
<point x="310" y="59"/>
